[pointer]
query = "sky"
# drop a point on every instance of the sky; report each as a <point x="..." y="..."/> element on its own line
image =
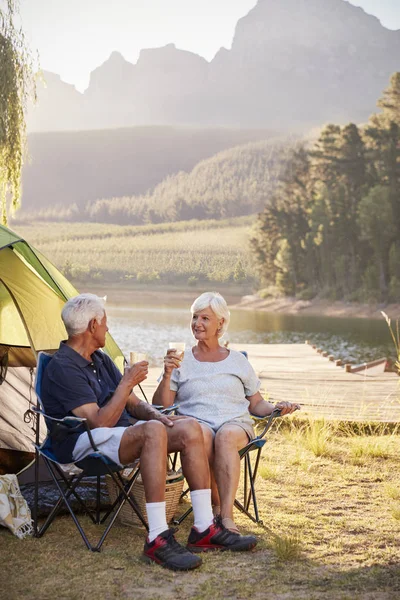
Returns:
<point x="73" y="37"/>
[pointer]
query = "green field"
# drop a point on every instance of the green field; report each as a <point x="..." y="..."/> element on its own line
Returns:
<point x="184" y="253"/>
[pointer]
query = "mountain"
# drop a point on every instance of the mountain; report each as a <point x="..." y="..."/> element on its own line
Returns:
<point x="78" y="167"/>
<point x="294" y="64"/>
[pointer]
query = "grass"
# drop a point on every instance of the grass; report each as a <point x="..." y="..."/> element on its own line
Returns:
<point x="331" y="530"/>
<point x="186" y="252"/>
<point x="287" y="547"/>
<point x="316" y="437"/>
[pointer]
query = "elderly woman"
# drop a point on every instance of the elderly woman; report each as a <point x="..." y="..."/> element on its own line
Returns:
<point x="220" y="389"/>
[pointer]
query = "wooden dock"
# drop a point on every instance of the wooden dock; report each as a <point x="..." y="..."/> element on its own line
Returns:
<point x="298" y="373"/>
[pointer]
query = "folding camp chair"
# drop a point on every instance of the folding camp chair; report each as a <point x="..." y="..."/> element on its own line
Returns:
<point x="66" y="482"/>
<point x="250" y="472"/>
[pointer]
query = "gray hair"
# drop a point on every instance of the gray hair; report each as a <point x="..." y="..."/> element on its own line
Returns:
<point x="79" y="311"/>
<point x="218" y="305"/>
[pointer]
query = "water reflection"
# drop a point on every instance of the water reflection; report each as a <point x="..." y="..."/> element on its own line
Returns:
<point x="149" y="329"/>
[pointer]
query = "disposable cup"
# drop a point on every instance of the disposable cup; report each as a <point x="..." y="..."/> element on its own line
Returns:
<point x="135" y="357"/>
<point x="179" y="347"/>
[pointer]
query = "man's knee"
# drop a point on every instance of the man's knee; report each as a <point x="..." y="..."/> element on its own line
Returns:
<point x="190" y="432"/>
<point x="154" y="430"/>
<point x="148" y="432"/>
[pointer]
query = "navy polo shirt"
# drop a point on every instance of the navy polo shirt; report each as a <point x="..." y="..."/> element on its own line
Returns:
<point x="70" y="381"/>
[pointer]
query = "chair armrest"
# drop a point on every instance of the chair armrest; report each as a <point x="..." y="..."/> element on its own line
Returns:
<point x="268" y="418"/>
<point x="69" y="421"/>
<point x="63" y="420"/>
<point x="166" y="410"/>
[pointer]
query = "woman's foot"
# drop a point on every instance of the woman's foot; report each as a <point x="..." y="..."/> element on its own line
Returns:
<point x="230" y="524"/>
<point x="216" y="510"/>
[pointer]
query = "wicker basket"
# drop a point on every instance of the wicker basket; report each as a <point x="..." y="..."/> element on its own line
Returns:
<point x="127" y="516"/>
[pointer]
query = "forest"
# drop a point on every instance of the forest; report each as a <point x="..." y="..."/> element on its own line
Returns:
<point x="332" y="225"/>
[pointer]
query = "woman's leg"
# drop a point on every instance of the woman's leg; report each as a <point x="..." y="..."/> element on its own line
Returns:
<point x="229" y="439"/>
<point x="209" y="436"/>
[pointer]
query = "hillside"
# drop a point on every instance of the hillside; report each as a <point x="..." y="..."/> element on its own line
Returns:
<point x="293" y="65"/>
<point x="232" y="183"/>
<point x="68" y="168"/>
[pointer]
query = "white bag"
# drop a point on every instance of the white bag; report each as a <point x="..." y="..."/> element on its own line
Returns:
<point x="14" y="510"/>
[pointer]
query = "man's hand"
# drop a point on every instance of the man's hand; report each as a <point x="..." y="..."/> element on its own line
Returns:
<point x="136" y="373"/>
<point x="172" y="360"/>
<point x="287" y="408"/>
<point x="168" y="420"/>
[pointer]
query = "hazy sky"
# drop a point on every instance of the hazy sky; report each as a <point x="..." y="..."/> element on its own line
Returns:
<point x="74" y="37"/>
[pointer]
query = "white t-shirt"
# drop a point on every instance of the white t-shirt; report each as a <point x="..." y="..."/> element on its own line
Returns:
<point x="215" y="392"/>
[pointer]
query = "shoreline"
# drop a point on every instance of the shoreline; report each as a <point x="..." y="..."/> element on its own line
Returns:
<point x="173" y="296"/>
<point x="321" y="308"/>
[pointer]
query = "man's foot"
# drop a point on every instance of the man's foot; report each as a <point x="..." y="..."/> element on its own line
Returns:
<point x="217" y="537"/>
<point x="166" y="551"/>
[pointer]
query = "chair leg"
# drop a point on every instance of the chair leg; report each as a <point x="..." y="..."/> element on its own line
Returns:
<point x="63" y="498"/>
<point x="123" y="497"/>
<point x="36" y="495"/>
<point x="249" y="495"/>
<point x="183" y="517"/>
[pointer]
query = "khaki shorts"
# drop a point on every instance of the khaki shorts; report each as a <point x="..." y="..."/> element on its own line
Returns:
<point x="245" y="425"/>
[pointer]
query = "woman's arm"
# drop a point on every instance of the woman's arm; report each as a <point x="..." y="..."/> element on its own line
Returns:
<point x="261" y="408"/>
<point x="163" y="395"/>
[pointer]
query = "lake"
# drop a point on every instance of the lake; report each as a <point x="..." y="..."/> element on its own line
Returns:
<point x="150" y="328"/>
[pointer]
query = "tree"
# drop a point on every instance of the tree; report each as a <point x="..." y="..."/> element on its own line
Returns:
<point x="16" y="86"/>
<point x="377" y="226"/>
<point x="390" y="101"/>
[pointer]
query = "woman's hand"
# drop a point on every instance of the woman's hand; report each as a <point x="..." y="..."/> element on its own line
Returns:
<point x="172" y="360"/>
<point x="136" y="373"/>
<point x="287" y="408"/>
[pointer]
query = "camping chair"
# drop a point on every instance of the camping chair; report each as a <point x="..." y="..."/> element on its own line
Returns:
<point x="250" y="472"/>
<point x="67" y="480"/>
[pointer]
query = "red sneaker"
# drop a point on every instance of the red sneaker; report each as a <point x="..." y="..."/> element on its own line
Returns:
<point x="166" y="551"/>
<point x="217" y="537"/>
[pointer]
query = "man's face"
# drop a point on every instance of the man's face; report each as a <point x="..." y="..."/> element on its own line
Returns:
<point x="99" y="332"/>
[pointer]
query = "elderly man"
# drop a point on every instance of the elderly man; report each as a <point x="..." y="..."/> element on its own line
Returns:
<point x="82" y="381"/>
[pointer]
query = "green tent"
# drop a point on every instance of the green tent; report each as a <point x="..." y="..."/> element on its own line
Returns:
<point x="32" y="294"/>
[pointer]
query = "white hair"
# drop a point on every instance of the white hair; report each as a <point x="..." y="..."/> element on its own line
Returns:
<point x="79" y="311"/>
<point x="218" y="305"/>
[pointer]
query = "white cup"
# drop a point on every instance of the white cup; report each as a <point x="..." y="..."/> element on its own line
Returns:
<point x="179" y="347"/>
<point x="135" y="357"/>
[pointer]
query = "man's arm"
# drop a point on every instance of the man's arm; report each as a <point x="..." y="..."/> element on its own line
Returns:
<point x="108" y="415"/>
<point x="163" y="395"/>
<point x="145" y="411"/>
<point x="261" y="408"/>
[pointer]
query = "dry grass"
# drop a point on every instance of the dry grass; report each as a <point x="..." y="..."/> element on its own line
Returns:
<point x="331" y="530"/>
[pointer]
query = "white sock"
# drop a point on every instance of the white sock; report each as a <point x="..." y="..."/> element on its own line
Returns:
<point x="203" y="515"/>
<point x="157" y="519"/>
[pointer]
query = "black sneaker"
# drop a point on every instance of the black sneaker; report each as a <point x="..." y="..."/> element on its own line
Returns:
<point x="166" y="551"/>
<point x="217" y="537"/>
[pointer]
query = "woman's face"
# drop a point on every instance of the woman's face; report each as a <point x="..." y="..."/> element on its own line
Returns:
<point x="205" y="324"/>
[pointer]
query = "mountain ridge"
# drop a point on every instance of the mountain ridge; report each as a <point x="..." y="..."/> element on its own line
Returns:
<point x="307" y="61"/>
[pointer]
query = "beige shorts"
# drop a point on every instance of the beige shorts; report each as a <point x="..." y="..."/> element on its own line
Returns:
<point x="245" y="425"/>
